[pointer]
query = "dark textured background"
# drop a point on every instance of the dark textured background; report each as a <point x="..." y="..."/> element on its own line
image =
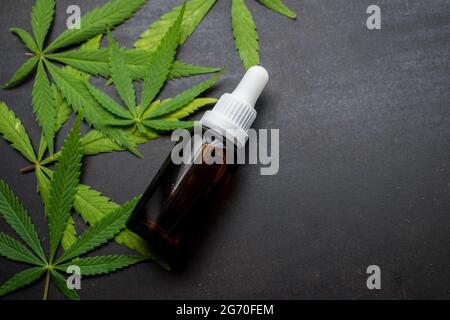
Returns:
<point x="364" y="169"/>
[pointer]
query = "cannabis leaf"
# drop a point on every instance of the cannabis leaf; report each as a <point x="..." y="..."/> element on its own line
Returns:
<point x="74" y="90"/>
<point x="244" y="32"/>
<point x="60" y="197"/>
<point x="195" y="11"/>
<point x="140" y="117"/>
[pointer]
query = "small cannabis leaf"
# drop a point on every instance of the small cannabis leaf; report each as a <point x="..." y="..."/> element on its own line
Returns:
<point x="60" y="197"/>
<point x="244" y="32"/>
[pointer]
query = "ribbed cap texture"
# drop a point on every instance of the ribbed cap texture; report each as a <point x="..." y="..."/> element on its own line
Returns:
<point x="237" y="112"/>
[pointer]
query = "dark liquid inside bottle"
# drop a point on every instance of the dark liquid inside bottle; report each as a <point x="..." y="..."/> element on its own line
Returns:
<point x="178" y="198"/>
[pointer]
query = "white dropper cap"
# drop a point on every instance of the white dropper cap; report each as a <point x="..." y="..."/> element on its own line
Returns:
<point x="251" y="85"/>
<point x="235" y="113"/>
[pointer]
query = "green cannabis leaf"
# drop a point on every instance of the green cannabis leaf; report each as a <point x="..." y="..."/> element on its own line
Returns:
<point x="73" y="89"/>
<point x="139" y="117"/>
<point x="61" y="196"/>
<point x="244" y="32"/>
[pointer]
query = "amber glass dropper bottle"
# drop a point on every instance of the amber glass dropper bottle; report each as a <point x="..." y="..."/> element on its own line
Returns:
<point x="180" y="195"/>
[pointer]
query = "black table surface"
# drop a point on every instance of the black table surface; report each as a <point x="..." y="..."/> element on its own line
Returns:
<point x="364" y="156"/>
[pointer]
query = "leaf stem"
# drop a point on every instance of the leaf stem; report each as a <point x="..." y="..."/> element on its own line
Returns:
<point x="28" y="169"/>
<point x="44" y="162"/>
<point x="47" y="282"/>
